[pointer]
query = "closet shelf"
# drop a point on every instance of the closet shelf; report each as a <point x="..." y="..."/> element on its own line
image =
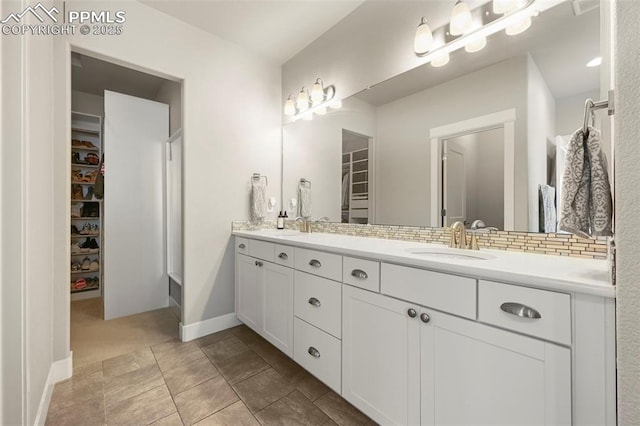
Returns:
<point x="82" y="183"/>
<point x="84" y="148"/>
<point x="86" y="201"/>
<point x="85" y="272"/>
<point x="93" y="251"/>
<point x="84" y="289"/>
<point x="88" y="166"/>
<point x="87" y="131"/>
<point x="85" y="236"/>
<point x="85" y="218"/>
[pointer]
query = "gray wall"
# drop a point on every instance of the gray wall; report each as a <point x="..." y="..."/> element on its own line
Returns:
<point x="170" y="93"/>
<point x="570" y="112"/>
<point x="87" y="103"/>
<point x="627" y="210"/>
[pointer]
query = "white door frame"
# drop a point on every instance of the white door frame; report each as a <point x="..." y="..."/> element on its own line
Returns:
<point x="505" y="119"/>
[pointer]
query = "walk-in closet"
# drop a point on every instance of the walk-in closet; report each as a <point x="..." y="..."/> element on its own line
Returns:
<point x="125" y="208"/>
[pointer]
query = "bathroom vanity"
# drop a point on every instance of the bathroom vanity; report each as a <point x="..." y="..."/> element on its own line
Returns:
<point x="414" y="333"/>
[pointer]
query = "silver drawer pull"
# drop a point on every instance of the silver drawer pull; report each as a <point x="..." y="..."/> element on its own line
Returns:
<point x="424" y="317"/>
<point x="283" y="256"/>
<point x="315" y="263"/>
<point x="258" y="263"/>
<point x="242" y="246"/>
<point x="520" y="310"/>
<point x="314" y="302"/>
<point x="314" y="352"/>
<point x="359" y="273"/>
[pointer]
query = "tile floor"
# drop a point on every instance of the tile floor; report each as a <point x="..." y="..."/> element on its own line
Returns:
<point x="233" y="377"/>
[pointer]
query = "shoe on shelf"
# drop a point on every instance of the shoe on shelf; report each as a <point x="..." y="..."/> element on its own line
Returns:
<point x="74" y="230"/>
<point x="76" y="175"/>
<point x="85" y="246"/>
<point x="89" y="194"/>
<point x="85" y="229"/>
<point x="86" y="264"/>
<point x="75" y="157"/>
<point x="76" y="142"/>
<point x="88" y="144"/>
<point x="75" y="267"/>
<point x="79" y="284"/>
<point x="93" y="244"/>
<point x="92" y="159"/>
<point x="76" y="210"/>
<point x="95" y="265"/>
<point x="75" y="248"/>
<point x="76" y="192"/>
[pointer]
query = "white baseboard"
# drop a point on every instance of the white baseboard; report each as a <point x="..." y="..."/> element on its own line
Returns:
<point x="59" y="371"/>
<point x="212" y="325"/>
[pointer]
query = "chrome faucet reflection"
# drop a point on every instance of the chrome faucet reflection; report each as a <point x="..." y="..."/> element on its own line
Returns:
<point x="306" y="222"/>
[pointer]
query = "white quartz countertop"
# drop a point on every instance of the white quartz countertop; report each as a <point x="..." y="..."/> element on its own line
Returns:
<point x="560" y="273"/>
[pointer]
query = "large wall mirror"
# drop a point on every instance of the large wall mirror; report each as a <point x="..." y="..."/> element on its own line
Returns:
<point x="473" y="140"/>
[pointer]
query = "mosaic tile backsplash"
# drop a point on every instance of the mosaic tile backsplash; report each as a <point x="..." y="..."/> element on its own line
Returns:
<point x="551" y="244"/>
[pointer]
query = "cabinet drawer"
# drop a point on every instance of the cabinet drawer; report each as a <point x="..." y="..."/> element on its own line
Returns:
<point x="262" y="250"/>
<point x="449" y="293"/>
<point x="284" y="255"/>
<point x="319" y="263"/>
<point x="242" y="245"/>
<point x="361" y="273"/>
<point x="318" y="352"/>
<point x="318" y="301"/>
<point x="503" y="304"/>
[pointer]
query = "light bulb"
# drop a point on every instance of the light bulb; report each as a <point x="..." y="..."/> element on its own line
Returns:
<point x="460" y="18"/>
<point x="307" y="116"/>
<point x="317" y="92"/>
<point x="337" y="104"/>
<point x="302" y="103"/>
<point x="289" y="107"/>
<point x="475" y="44"/>
<point x="440" y="59"/>
<point x="504" y="6"/>
<point x="424" y="37"/>
<point x="519" y="26"/>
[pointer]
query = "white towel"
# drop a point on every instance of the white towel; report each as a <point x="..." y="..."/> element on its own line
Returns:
<point x="258" y="199"/>
<point x="547" y="208"/>
<point x="345" y="191"/>
<point x="586" y="193"/>
<point x="304" y="201"/>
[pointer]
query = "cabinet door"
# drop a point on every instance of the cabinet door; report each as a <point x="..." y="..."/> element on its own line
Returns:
<point x="249" y="292"/>
<point x="380" y="357"/>
<point x="277" y="292"/>
<point x="475" y="374"/>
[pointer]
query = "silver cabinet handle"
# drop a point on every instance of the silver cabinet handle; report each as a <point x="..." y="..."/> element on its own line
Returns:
<point x="520" y="310"/>
<point x="424" y="317"/>
<point x="412" y="313"/>
<point x="283" y="256"/>
<point x="315" y="263"/>
<point x="359" y="273"/>
<point x="314" y="352"/>
<point x="258" y="263"/>
<point x="242" y="246"/>
<point x="314" y="302"/>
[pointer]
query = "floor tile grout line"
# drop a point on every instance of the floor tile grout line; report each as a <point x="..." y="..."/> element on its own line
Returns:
<point x="165" y="383"/>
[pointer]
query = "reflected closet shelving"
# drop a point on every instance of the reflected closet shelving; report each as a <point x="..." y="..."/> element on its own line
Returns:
<point x="86" y="209"/>
<point x="355" y="181"/>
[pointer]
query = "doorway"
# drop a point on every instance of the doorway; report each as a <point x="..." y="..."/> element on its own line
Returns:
<point x="121" y="128"/>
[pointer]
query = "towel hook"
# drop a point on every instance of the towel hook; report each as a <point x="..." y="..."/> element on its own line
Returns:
<point x="591" y="107"/>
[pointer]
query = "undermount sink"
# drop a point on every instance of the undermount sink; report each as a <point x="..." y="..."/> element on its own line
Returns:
<point x="281" y="232"/>
<point x="451" y="253"/>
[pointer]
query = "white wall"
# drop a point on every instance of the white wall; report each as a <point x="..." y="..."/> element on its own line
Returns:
<point x="627" y="230"/>
<point x="27" y="233"/>
<point x="570" y="112"/>
<point x="541" y="116"/>
<point x="403" y="144"/>
<point x="170" y="93"/>
<point x="87" y="103"/>
<point x="225" y="139"/>
<point x="313" y="150"/>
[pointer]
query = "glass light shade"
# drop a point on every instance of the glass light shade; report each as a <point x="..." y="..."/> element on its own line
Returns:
<point x="321" y="111"/>
<point x="440" y="60"/>
<point x="460" y="18"/>
<point x="504" y="6"/>
<point x="424" y="37"/>
<point x="307" y="116"/>
<point x="289" y="107"/>
<point x="337" y="104"/>
<point x="595" y="62"/>
<point x="317" y="92"/>
<point x="519" y="26"/>
<point x="302" y="102"/>
<point x="475" y="44"/>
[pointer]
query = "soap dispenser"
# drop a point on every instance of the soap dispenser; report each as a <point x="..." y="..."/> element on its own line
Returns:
<point x="280" y="222"/>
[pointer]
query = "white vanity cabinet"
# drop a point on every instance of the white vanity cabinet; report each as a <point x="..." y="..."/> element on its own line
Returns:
<point x="406" y="364"/>
<point x="264" y="297"/>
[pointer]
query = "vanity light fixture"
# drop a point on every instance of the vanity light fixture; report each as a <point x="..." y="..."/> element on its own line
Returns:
<point x="595" y="62"/>
<point x="424" y="37"/>
<point x="316" y="102"/>
<point x="460" y="18"/>
<point x="472" y="39"/>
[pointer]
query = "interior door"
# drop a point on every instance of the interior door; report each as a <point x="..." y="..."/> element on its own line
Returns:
<point x="454" y="190"/>
<point x="135" y="274"/>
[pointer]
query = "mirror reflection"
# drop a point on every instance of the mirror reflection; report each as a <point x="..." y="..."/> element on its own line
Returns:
<point x="476" y="140"/>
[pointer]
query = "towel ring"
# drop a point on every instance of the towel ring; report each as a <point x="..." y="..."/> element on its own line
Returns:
<point x="304" y="182"/>
<point x="257" y="176"/>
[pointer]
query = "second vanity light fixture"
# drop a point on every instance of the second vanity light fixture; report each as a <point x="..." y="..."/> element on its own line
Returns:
<point x="306" y="104"/>
<point x="470" y="30"/>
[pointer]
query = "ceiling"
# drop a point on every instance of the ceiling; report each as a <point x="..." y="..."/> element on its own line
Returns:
<point x="557" y="41"/>
<point x="275" y="29"/>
